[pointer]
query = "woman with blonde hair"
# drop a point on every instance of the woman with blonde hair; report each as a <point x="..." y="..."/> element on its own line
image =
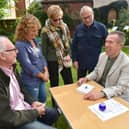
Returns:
<point x="34" y="72"/>
<point x="56" y="46"/>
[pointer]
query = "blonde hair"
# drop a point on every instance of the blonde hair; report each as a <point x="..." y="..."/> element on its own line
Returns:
<point x="54" y="11"/>
<point x="27" y="22"/>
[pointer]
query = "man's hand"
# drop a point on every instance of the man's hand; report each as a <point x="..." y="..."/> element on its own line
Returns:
<point x="82" y="80"/>
<point x="41" y="110"/>
<point x="40" y="107"/>
<point x="37" y="104"/>
<point x="94" y="95"/>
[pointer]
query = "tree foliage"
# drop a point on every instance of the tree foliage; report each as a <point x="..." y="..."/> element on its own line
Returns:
<point x="3" y="6"/>
<point x="7" y="27"/>
<point x="123" y="23"/>
<point x="35" y="8"/>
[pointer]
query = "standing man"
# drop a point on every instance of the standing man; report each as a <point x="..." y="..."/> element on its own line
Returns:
<point x="87" y="42"/>
<point x="18" y="110"/>
<point x="111" y="71"/>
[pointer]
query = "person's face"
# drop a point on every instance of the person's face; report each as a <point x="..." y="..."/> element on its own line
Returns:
<point x="32" y="33"/>
<point x="8" y="55"/>
<point x="56" y="20"/>
<point x="112" y="45"/>
<point x="87" y="17"/>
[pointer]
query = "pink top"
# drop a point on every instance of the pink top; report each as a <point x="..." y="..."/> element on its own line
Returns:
<point x="16" y="97"/>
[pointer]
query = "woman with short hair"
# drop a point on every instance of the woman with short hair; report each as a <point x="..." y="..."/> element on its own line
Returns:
<point x="56" y="46"/>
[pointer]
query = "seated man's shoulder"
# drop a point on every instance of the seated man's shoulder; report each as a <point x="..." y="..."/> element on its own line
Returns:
<point x="125" y="56"/>
<point x="103" y="54"/>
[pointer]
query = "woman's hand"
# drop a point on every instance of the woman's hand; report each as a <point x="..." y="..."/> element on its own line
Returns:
<point x="45" y="76"/>
<point x="75" y="64"/>
<point x="67" y="58"/>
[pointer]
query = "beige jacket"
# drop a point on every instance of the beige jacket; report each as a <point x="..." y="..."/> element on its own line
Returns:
<point x="117" y="81"/>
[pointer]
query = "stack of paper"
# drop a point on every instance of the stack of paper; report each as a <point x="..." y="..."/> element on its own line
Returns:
<point x="113" y="108"/>
<point x="85" y="88"/>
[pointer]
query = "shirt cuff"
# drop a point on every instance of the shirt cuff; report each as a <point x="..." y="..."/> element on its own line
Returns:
<point x="104" y="94"/>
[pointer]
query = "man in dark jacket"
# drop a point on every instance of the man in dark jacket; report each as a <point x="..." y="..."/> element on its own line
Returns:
<point x="87" y="42"/>
<point x="17" y="108"/>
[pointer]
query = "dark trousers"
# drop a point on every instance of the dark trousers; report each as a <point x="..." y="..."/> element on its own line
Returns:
<point x="51" y="116"/>
<point x="83" y="72"/>
<point x="54" y="74"/>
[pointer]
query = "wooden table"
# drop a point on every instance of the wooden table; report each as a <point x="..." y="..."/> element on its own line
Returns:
<point x="77" y="113"/>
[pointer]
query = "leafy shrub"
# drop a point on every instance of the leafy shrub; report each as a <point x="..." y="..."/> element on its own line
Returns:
<point x="7" y="28"/>
<point x="122" y="23"/>
<point x="35" y="8"/>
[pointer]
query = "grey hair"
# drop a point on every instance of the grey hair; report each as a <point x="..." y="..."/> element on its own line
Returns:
<point x="85" y="8"/>
<point x="121" y="36"/>
<point x="2" y="43"/>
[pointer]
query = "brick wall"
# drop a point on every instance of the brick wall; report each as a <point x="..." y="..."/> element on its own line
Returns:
<point x="20" y="7"/>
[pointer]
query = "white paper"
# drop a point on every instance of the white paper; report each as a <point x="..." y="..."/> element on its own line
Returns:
<point x="113" y="108"/>
<point x="85" y="88"/>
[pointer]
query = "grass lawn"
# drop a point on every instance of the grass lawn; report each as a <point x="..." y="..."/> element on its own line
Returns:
<point x="61" y="123"/>
<point x="126" y="50"/>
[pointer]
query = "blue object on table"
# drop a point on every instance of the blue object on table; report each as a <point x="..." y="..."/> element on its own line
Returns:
<point x="102" y="106"/>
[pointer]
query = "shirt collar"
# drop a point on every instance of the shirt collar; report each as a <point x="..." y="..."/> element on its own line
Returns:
<point x="7" y="71"/>
<point x="93" y="25"/>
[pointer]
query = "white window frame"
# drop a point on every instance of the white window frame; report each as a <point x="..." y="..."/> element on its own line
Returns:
<point x="10" y="11"/>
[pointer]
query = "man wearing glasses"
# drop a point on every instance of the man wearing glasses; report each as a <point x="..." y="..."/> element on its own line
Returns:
<point x="87" y="42"/>
<point x="18" y="110"/>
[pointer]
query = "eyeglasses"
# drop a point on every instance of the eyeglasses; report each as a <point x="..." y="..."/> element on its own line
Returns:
<point x="56" y="20"/>
<point x="13" y="49"/>
<point x="88" y="17"/>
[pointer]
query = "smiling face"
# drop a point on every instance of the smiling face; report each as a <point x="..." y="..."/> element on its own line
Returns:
<point x="112" y="45"/>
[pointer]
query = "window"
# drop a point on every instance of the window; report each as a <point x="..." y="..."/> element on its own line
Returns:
<point x="10" y="11"/>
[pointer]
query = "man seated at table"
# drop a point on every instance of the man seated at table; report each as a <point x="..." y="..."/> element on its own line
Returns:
<point x="17" y="108"/>
<point x="111" y="71"/>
